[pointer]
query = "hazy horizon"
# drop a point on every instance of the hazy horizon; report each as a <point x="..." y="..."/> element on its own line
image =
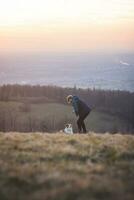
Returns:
<point x="86" y="70"/>
<point x="68" y="42"/>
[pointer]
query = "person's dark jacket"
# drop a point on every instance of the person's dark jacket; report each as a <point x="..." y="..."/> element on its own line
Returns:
<point x="80" y="107"/>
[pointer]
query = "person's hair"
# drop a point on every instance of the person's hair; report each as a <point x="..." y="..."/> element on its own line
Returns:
<point x="69" y="98"/>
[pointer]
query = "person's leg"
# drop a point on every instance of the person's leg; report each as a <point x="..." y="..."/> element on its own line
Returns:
<point x="79" y="124"/>
<point x="83" y="127"/>
<point x="82" y="122"/>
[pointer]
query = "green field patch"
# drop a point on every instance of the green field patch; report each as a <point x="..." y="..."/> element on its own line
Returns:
<point x="48" y="117"/>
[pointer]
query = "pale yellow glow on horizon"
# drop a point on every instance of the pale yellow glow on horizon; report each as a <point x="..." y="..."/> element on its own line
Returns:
<point x="22" y="12"/>
<point x="66" y="24"/>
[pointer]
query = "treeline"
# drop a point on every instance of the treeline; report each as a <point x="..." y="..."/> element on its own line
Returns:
<point x="118" y="103"/>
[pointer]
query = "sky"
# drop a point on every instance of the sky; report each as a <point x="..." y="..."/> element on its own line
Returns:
<point x="66" y="25"/>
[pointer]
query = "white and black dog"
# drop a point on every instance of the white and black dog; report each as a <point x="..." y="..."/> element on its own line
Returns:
<point x="68" y="129"/>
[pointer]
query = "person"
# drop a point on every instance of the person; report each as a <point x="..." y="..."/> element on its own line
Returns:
<point x="81" y="110"/>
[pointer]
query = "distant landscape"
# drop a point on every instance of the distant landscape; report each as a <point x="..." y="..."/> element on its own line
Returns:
<point x="112" y="71"/>
<point x="34" y="87"/>
<point x="27" y="108"/>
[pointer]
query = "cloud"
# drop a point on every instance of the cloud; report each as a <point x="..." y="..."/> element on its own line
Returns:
<point x="124" y="63"/>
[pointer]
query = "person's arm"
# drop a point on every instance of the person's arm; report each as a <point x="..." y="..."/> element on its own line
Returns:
<point x="75" y="106"/>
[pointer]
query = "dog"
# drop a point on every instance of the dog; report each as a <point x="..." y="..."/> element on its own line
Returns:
<point x="68" y="129"/>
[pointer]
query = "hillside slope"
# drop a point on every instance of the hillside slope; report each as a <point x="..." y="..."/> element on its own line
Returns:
<point x="40" y="166"/>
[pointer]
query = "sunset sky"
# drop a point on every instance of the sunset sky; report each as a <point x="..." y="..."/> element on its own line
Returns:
<point x="66" y="25"/>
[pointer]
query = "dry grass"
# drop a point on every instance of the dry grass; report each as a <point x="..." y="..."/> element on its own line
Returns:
<point x="40" y="166"/>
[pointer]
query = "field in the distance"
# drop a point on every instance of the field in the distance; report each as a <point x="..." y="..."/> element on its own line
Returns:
<point x="40" y="166"/>
<point x="53" y="116"/>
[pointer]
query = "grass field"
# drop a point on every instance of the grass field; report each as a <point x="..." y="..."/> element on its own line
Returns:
<point x="36" y="166"/>
<point x="53" y="113"/>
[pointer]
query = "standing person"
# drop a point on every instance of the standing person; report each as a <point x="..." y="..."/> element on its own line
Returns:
<point x="81" y="110"/>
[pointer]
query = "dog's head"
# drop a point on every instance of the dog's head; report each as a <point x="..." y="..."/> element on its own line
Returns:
<point x="68" y="126"/>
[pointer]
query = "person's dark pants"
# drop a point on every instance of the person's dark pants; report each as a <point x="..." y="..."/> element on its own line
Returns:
<point x="81" y="124"/>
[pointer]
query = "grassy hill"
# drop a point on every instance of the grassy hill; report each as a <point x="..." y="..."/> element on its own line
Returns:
<point x="40" y="166"/>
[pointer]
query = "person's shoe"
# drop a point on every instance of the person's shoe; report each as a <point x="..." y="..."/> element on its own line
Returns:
<point x="79" y="131"/>
<point x="85" y="131"/>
